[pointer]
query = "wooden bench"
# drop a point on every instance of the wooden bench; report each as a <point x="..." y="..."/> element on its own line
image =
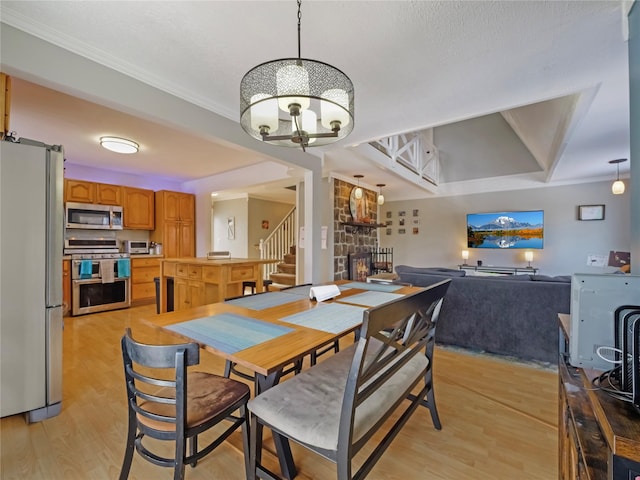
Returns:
<point x="336" y="406"/>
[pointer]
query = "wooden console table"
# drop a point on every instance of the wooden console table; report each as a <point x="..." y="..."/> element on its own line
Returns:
<point x="499" y="270"/>
<point x="599" y="436"/>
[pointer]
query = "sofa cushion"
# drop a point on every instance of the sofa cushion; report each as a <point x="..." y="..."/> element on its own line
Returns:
<point x="450" y="272"/>
<point x="546" y="278"/>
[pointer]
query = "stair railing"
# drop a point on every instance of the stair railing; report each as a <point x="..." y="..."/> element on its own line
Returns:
<point x="278" y="243"/>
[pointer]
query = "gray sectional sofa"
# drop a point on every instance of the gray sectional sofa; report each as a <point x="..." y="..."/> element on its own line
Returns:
<point x="513" y="315"/>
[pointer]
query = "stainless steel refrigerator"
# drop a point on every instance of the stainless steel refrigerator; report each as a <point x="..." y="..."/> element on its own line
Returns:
<point x="31" y="243"/>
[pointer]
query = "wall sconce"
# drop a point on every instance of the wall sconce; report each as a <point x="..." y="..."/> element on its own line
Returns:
<point x="465" y="256"/>
<point x="528" y="256"/>
<point x="380" y="195"/>
<point x="358" y="193"/>
<point x="617" y="188"/>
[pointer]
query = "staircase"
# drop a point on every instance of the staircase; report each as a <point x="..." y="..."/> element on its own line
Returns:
<point x="285" y="275"/>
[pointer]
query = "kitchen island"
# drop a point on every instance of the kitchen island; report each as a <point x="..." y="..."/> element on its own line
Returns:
<point x="200" y="281"/>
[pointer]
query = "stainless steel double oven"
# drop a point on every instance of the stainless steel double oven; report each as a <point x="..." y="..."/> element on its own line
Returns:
<point x="100" y="276"/>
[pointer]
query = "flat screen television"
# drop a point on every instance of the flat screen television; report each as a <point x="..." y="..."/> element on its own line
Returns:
<point x="594" y="300"/>
<point x="523" y="229"/>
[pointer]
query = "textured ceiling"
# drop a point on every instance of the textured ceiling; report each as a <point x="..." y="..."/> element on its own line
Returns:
<point x="414" y="64"/>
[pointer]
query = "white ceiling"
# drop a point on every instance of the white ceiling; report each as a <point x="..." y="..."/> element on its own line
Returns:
<point x="557" y="71"/>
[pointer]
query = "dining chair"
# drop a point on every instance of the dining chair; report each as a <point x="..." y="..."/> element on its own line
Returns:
<point x="335" y="407"/>
<point x="168" y="402"/>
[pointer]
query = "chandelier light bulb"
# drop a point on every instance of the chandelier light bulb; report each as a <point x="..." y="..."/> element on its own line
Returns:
<point x="292" y="84"/>
<point x="264" y="114"/>
<point x="335" y="108"/>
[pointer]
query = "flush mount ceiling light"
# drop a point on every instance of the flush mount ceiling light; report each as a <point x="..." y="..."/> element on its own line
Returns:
<point x="358" y="192"/>
<point x="380" y="195"/>
<point x="119" y="145"/>
<point x="617" y="188"/>
<point x="296" y="102"/>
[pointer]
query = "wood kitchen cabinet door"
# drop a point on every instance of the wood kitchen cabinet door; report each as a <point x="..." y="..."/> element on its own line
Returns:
<point x="177" y="206"/>
<point x="79" y="191"/>
<point x="138" y="209"/>
<point x="175" y="223"/>
<point x="187" y="210"/>
<point x="187" y="293"/>
<point x="187" y="241"/>
<point x="107" y="194"/>
<point x="143" y="272"/>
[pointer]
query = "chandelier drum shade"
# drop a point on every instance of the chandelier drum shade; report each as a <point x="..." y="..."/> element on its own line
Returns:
<point x="296" y="102"/>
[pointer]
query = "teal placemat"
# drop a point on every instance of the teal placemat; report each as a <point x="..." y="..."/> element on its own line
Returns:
<point x="302" y="290"/>
<point x="328" y="317"/>
<point x="376" y="287"/>
<point x="229" y="332"/>
<point x="370" y="299"/>
<point x="262" y="300"/>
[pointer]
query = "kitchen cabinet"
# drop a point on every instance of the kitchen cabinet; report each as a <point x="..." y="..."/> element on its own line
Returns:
<point x="107" y="194"/>
<point x="138" y="208"/>
<point x="178" y="207"/>
<point x="83" y="191"/>
<point x="143" y="272"/>
<point x="200" y="281"/>
<point x="66" y="287"/>
<point x="188" y="293"/>
<point x="175" y="223"/>
<point x="79" y="191"/>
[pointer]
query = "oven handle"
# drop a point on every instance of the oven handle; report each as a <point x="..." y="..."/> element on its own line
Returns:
<point x="85" y="281"/>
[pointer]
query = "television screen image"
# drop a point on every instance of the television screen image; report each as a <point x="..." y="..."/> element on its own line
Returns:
<point x="523" y="229"/>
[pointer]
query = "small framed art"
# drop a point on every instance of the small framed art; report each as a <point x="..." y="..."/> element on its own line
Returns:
<point x="591" y="212"/>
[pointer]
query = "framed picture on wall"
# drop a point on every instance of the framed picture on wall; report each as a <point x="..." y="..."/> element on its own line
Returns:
<point x="591" y="212"/>
<point x="231" y="228"/>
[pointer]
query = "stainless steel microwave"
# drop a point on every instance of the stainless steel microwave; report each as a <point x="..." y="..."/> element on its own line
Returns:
<point x="92" y="216"/>
<point x="135" y="246"/>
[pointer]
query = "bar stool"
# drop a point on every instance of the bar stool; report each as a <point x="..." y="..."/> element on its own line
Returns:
<point x="252" y="285"/>
<point x="266" y="282"/>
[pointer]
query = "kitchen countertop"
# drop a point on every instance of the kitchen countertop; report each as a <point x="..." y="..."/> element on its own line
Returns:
<point x="220" y="261"/>
<point x="137" y="255"/>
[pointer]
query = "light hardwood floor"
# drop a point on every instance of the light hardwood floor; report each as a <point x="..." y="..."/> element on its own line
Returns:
<point x="499" y="419"/>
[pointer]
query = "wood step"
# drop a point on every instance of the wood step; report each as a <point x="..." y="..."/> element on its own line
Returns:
<point x="287" y="268"/>
<point x="283" y="278"/>
<point x="288" y="258"/>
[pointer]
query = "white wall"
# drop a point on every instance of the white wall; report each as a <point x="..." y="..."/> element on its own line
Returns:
<point x="567" y="241"/>
<point x="222" y="211"/>
<point x="260" y="210"/>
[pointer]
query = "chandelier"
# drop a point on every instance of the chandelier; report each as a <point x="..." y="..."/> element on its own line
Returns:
<point x="296" y="101"/>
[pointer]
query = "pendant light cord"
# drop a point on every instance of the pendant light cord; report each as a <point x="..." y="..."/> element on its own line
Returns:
<point x="299" y="21"/>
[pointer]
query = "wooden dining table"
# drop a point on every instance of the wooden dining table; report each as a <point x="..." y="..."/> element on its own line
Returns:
<point x="269" y="331"/>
